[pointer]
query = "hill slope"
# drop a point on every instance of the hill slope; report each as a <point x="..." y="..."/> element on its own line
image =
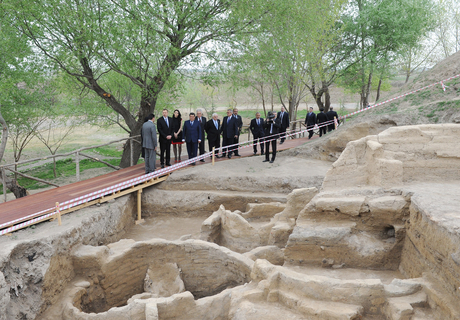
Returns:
<point x="432" y="105"/>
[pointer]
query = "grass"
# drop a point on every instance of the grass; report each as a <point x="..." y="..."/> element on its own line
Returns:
<point x="67" y="168"/>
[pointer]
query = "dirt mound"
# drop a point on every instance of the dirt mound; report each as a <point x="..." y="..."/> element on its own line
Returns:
<point x="330" y="146"/>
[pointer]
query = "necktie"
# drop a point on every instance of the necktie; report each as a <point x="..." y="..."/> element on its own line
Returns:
<point x="258" y="122"/>
<point x="191" y="122"/>
<point x="167" y="123"/>
<point x="282" y="116"/>
<point x="215" y="123"/>
<point x="271" y="129"/>
<point x="228" y="119"/>
<point x="199" y="119"/>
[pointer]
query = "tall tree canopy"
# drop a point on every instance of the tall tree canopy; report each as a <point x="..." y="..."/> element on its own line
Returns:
<point x="144" y="41"/>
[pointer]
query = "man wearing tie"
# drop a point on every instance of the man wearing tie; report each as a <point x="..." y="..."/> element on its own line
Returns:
<point x="229" y="133"/>
<point x="213" y="130"/>
<point x="272" y="126"/>
<point x="284" y="119"/>
<point x="165" y="130"/>
<point x="149" y="143"/>
<point x="202" y="121"/>
<point x="310" y="121"/>
<point x="239" y="123"/>
<point x="257" y="129"/>
<point x="191" y="134"/>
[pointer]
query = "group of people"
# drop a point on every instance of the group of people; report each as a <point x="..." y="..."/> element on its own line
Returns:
<point x="171" y="131"/>
<point x="312" y="119"/>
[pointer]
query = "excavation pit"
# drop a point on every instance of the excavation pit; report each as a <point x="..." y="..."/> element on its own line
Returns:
<point x="115" y="273"/>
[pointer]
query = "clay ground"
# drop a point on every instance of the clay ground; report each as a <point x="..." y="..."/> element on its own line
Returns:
<point x="174" y="227"/>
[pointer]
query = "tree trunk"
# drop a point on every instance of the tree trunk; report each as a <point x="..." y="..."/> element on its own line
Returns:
<point x="147" y="106"/>
<point x="12" y="185"/>
<point x="54" y="166"/>
<point x="319" y="102"/>
<point x="4" y="135"/>
<point x="378" y="89"/>
<point x="327" y="97"/>
<point x="368" y="90"/>
<point x="273" y="99"/>
<point x="263" y="99"/>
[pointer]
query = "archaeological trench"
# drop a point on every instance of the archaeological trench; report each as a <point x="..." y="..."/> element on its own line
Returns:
<point x="373" y="235"/>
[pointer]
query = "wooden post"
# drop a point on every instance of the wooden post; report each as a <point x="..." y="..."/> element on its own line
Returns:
<point x="335" y="122"/>
<point x="139" y="207"/>
<point x="58" y="212"/>
<point x="131" y="156"/>
<point x="77" y="164"/>
<point x="213" y="155"/>
<point x="4" y="183"/>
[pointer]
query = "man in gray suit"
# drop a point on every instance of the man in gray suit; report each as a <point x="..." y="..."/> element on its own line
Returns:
<point x="149" y="143"/>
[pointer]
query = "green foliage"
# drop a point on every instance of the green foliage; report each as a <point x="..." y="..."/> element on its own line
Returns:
<point x="378" y="30"/>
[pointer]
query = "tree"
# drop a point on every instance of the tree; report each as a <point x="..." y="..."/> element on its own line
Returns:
<point x="15" y="71"/>
<point x="381" y="28"/>
<point x="291" y="52"/>
<point x="53" y="134"/>
<point x="143" y="41"/>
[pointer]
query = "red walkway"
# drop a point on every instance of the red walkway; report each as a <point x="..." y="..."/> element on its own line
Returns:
<point x="18" y="208"/>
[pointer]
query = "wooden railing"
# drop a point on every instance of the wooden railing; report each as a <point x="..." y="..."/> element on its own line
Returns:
<point x="78" y="153"/>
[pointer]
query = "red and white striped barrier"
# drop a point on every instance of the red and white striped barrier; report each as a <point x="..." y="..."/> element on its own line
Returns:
<point x="138" y="180"/>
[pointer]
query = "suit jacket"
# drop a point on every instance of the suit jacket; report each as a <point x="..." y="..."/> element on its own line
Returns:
<point x="191" y="133"/>
<point x="285" y="121"/>
<point x="276" y="127"/>
<point x="230" y="129"/>
<point x="213" y="133"/>
<point x="149" y="135"/>
<point x="310" y="120"/>
<point x="203" y="124"/>
<point x="331" y="114"/>
<point x="239" y="122"/>
<point x="163" y="128"/>
<point x="321" y="117"/>
<point x="257" y="130"/>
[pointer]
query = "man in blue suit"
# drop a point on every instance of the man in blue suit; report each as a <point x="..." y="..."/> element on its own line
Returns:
<point x="229" y="133"/>
<point x="191" y="134"/>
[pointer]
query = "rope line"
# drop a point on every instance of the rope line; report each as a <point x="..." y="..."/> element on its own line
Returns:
<point x="36" y="217"/>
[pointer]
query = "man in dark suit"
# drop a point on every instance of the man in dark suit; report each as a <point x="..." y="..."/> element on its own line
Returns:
<point x="310" y="121"/>
<point x="165" y="130"/>
<point x="257" y="129"/>
<point x="321" y="118"/>
<point x="149" y="143"/>
<point x="284" y="119"/>
<point x="330" y="115"/>
<point x="229" y="133"/>
<point x="191" y="134"/>
<point x="272" y="126"/>
<point x="239" y="122"/>
<point x="213" y="130"/>
<point x="202" y="121"/>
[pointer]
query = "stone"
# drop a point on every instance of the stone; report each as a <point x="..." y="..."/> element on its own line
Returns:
<point x="273" y="254"/>
<point x="164" y="280"/>
<point x="346" y="205"/>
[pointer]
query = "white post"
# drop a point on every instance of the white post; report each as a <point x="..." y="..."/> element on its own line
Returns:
<point x="77" y="162"/>
<point x="58" y="212"/>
